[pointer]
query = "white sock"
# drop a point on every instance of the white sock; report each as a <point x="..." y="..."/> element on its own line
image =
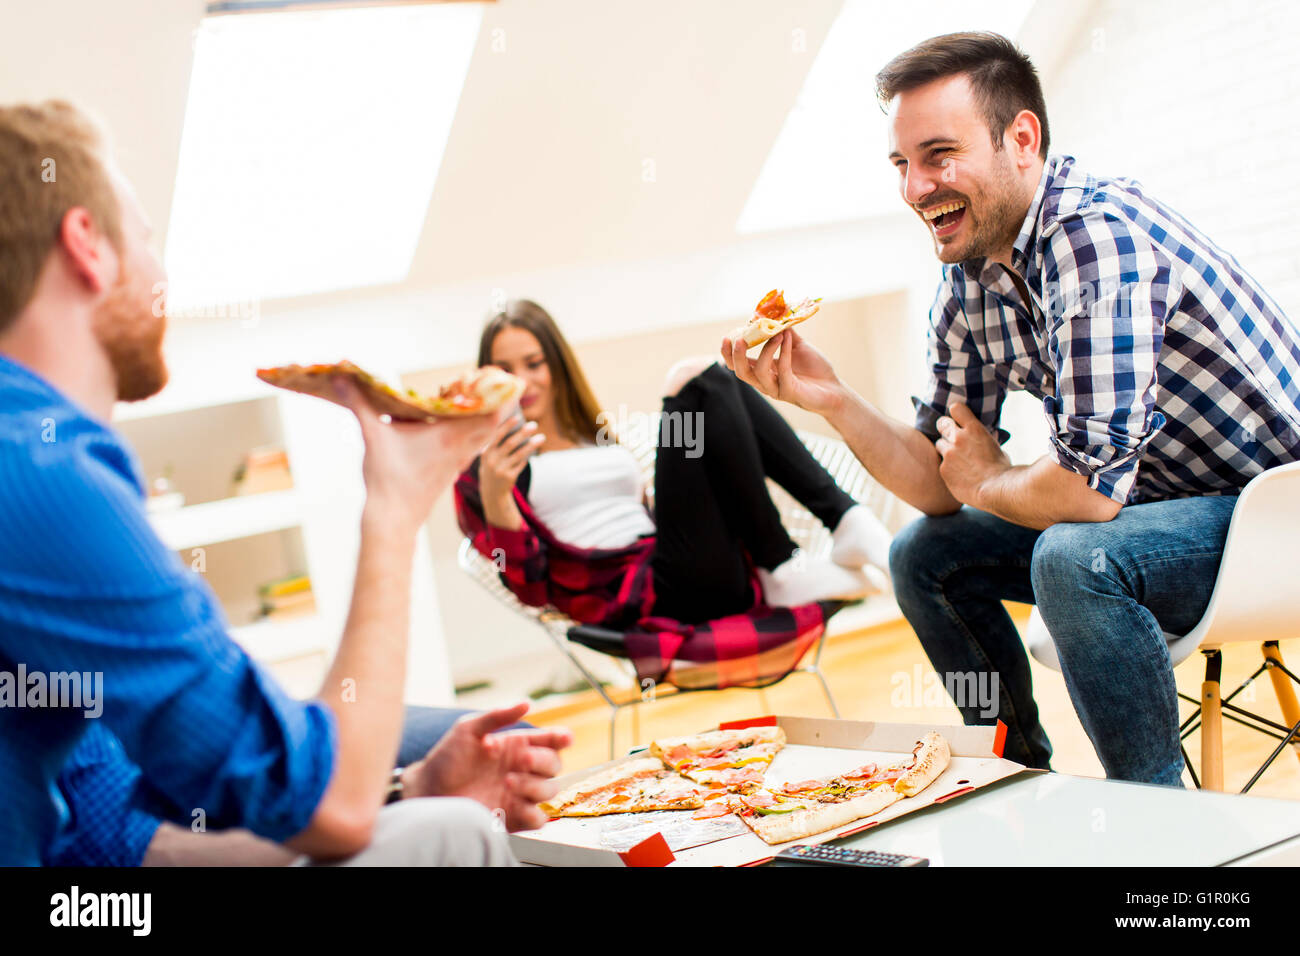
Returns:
<point x="861" y="539"/>
<point x="802" y="581"/>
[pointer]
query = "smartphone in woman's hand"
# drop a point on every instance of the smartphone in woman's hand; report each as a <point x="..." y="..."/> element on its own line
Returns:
<point x="519" y="422"/>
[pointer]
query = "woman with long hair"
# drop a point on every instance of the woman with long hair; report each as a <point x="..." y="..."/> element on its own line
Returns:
<point x="562" y="509"/>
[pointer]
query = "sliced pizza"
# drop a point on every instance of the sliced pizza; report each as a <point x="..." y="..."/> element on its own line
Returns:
<point x="772" y="317"/>
<point x="733" y="760"/>
<point x="777" y="818"/>
<point x="480" y="392"/>
<point x="801" y="809"/>
<point x="635" y="786"/>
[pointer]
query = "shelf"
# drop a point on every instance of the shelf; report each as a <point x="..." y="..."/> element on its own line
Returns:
<point x="177" y="401"/>
<point x="227" y="519"/>
<point x="271" y="641"/>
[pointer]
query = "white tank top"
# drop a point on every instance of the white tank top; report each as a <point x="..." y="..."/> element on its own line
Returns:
<point x="590" y="497"/>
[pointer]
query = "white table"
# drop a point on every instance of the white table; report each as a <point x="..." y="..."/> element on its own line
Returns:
<point x="1050" y="819"/>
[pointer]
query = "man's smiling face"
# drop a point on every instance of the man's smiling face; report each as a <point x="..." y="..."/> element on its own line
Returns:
<point x="968" y="193"/>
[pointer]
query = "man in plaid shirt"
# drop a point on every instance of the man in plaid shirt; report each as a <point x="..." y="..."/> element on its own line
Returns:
<point x="1168" y="379"/>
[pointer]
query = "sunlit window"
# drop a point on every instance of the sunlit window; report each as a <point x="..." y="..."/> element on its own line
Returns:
<point x="829" y="162"/>
<point x="311" y="144"/>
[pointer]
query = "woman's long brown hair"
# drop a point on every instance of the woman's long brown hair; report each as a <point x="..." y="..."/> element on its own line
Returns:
<point x="576" y="407"/>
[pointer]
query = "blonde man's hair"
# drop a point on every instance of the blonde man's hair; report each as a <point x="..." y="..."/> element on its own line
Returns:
<point x="52" y="159"/>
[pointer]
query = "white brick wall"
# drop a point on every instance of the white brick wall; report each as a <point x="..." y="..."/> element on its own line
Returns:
<point x="1200" y="102"/>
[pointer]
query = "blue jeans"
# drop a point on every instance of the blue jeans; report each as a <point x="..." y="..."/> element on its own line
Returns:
<point x="1105" y="590"/>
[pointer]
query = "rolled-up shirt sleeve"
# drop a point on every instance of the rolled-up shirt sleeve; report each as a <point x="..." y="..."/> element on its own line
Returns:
<point x="1106" y="319"/>
<point x="957" y="370"/>
<point x="106" y="826"/>
<point x="96" y="592"/>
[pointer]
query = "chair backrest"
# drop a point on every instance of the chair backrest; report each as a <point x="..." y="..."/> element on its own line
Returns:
<point x="805" y="530"/>
<point x="1254" y="596"/>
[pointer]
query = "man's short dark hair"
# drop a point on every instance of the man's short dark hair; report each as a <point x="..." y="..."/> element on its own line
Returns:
<point x="1002" y="77"/>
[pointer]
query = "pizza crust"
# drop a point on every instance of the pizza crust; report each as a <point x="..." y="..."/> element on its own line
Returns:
<point x="713" y="739"/>
<point x="820" y="817"/>
<point x="932" y="759"/>
<point x="480" y="392"/>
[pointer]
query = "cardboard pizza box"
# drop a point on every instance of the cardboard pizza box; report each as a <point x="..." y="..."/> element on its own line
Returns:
<point x="815" y="747"/>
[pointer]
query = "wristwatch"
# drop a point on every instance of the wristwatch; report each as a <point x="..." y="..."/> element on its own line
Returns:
<point x="395" y="787"/>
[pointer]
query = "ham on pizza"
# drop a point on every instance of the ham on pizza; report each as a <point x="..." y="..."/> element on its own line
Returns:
<point x="733" y="760"/>
<point x="802" y="808"/>
<point x="634" y="786"/>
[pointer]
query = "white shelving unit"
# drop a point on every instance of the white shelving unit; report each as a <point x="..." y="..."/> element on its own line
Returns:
<point x="227" y="519"/>
<point x="273" y="641"/>
<point x="238" y="542"/>
<point x="197" y="432"/>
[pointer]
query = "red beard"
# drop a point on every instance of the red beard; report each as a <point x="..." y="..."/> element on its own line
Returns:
<point x="131" y="335"/>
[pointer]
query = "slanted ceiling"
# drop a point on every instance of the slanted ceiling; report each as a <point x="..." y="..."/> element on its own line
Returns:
<point x="588" y="131"/>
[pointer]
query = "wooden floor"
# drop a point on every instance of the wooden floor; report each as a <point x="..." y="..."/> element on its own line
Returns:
<point x="866" y="670"/>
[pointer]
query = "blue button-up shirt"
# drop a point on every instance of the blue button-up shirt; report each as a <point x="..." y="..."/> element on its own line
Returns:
<point x="1164" y="369"/>
<point x="88" y="590"/>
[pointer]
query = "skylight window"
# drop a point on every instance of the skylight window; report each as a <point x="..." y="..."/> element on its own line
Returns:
<point x="829" y="162"/>
<point x="312" y="141"/>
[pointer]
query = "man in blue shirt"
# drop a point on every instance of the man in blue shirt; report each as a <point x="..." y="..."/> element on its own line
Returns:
<point x="87" y="588"/>
<point x="1168" y="379"/>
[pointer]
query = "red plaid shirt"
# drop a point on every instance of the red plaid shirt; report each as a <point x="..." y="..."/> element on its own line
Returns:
<point x="614" y="588"/>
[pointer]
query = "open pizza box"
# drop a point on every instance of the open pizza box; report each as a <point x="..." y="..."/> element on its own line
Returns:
<point x="814" y="748"/>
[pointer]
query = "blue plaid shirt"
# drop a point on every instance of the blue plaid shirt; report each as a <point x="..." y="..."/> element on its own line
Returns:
<point x="186" y="722"/>
<point x="1164" y="369"/>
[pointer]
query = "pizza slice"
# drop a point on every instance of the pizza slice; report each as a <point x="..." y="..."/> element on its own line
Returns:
<point x="797" y="810"/>
<point x="636" y="786"/>
<point x="734" y="760"/>
<point x="772" y="317"/>
<point x="480" y="392"/>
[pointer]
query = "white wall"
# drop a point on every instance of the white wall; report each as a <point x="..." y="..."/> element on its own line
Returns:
<point x="1198" y="101"/>
<point x="1191" y="98"/>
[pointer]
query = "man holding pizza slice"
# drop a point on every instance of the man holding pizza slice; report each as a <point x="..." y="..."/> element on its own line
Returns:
<point x="191" y="728"/>
<point x="1167" y="375"/>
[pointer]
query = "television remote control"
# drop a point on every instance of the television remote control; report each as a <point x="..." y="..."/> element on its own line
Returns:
<point x="826" y="855"/>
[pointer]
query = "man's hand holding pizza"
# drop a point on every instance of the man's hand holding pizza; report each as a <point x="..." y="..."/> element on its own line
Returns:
<point x="409" y="465"/>
<point x="509" y="771"/>
<point x="789" y="369"/>
<point x="971" y="457"/>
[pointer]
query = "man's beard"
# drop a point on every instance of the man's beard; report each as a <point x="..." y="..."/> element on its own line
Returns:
<point x="1001" y="214"/>
<point x="131" y="336"/>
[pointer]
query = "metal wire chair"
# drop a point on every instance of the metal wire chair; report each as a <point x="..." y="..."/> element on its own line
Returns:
<point x="809" y="534"/>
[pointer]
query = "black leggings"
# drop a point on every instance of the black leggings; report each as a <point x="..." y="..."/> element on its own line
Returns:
<point x="712" y="505"/>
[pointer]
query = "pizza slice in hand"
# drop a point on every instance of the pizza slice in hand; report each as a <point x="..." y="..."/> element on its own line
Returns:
<point x="479" y="392"/>
<point x="772" y="317"/>
<point x="732" y="760"/>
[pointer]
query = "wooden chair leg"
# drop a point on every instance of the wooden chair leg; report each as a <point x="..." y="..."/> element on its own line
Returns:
<point x="1212" y="723"/>
<point x="1283" y="687"/>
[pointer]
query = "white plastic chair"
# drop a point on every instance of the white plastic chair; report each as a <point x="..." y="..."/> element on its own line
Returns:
<point x="1253" y="600"/>
<point x="809" y="534"/>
